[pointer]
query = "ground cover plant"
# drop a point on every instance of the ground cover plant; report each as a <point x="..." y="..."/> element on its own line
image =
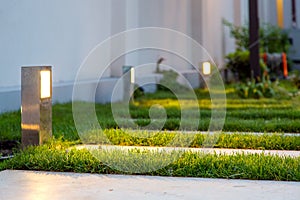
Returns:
<point x="57" y="156"/>
<point x="243" y="115"/>
<point x="274" y="141"/>
<point x="272" y="40"/>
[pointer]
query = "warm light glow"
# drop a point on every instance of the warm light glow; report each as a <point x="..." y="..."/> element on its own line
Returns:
<point x="280" y="13"/>
<point x="132" y="75"/>
<point x="32" y="127"/>
<point x="206" y="68"/>
<point x="45" y="84"/>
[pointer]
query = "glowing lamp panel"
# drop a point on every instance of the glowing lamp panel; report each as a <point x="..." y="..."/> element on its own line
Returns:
<point x="206" y="68"/>
<point x="132" y="75"/>
<point x="45" y="84"/>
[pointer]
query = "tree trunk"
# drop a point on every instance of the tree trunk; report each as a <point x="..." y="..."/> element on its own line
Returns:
<point x="254" y="39"/>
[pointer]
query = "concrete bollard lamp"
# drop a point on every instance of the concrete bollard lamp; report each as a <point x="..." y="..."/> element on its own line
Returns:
<point x="128" y="81"/>
<point x="36" y="110"/>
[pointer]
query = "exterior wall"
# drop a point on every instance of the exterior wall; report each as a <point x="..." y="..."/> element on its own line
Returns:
<point x="49" y="32"/>
<point x="288" y="14"/>
<point x="267" y="11"/>
<point x="62" y="33"/>
<point x="172" y="14"/>
<point x="118" y="24"/>
<point x="244" y="11"/>
<point x="298" y="14"/>
<point x="216" y="39"/>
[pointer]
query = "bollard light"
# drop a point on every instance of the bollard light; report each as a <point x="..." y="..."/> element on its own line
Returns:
<point x="132" y="75"/>
<point x="128" y="82"/>
<point x="36" y="108"/>
<point x="206" y="68"/>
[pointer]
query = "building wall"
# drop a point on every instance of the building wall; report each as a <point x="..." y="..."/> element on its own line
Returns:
<point x="298" y="13"/>
<point x="216" y="38"/>
<point x="62" y="33"/>
<point x="267" y="11"/>
<point x="170" y="14"/>
<point x="49" y="32"/>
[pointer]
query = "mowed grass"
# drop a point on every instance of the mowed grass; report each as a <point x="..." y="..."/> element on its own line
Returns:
<point x="119" y="137"/>
<point x="242" y="115"/>
<point x="58" y="156"/>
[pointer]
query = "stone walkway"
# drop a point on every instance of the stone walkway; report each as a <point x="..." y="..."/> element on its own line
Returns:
<point x="31" y="185"/>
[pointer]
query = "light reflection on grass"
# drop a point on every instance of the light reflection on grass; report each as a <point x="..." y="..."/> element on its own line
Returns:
<point x="207" y="103"/>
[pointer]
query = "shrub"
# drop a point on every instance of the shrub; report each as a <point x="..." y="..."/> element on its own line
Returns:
<point x="272" y="40"/>
<point x="296" y="78"/>
<point x="138" y="92"/>
<point x="256" y="90"/>
<point x="169" y="83"/>
<point x="238" y="62"/>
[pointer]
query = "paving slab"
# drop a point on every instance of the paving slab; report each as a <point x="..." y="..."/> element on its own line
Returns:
<point x="281" y="153"/>
<point x="32" y="185"/>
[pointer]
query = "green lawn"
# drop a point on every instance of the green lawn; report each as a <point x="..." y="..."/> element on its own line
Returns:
<point x="242" y="115"/>
<point x="270" y="116"/>
<point x="57" y="156"/>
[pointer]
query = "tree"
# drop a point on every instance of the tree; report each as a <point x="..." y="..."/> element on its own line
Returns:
<point x="254" y="39"/>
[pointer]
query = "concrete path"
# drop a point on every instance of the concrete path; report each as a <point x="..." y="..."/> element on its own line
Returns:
<point x="281" y="153"/>
<point x="49" y="185"/>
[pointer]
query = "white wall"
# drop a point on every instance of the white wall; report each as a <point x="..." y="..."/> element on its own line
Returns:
<point x="268" y="11"/>
<point x="61" y="33"/>
<point x="298" y="13"/>
<point x="48" y="32"/>
<point x="55" y="32"/>
<point x="288" y="14"/>
<point x="214" y="34"/>
<point x="199" y="19"/>
<point x="172" y="14"/>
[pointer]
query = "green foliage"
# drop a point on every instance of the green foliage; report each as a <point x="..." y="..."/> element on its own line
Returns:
<point x="289" y="85"/>
<point x="162" y="139"/>
<point x="10" y="126"/>
<point x="256" y="90"/>
<point x="169" y="83"/>
<point x="138" y="92"/>
<point x="58" y="156"/>
<point x="279" y="114"/>
<point x="263" y="141"/>
<point x="284" y="89"/>
<point x="239" y="63"/>
<point x="296" y="78"/>
<point x="263" y="115"/>
<point x="272" y="38"/>
<point x="240" y="34"/>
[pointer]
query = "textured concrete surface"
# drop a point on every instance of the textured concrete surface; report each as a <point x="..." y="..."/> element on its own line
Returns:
<point x="50" y="185"/>
<point x="282" y="153"/>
